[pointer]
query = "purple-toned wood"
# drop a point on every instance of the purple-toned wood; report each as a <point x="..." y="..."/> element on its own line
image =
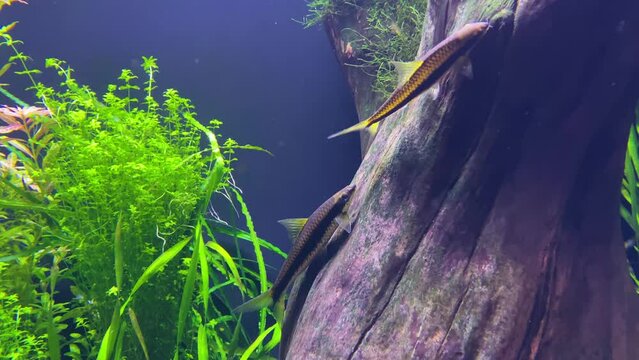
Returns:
<point x="488" y="223"/>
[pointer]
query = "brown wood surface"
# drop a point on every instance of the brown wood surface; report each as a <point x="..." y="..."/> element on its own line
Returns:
<point x="487" y="210"/>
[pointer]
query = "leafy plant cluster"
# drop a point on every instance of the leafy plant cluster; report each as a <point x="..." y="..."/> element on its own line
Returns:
<point x="393" y="34"/>
<point x="630" y="193"/>
<point x="111" y="198"/>
<point x="318" y="10"/>
<point x="17" y="341"/>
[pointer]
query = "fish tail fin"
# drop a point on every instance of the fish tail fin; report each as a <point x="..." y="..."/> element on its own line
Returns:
<point x="278" y="312"/>
<point x="261" y="301"/>
<point x="359" y="126"/>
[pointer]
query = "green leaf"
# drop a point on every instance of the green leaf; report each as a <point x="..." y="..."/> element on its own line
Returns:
<point x="5" y="67"/>
<point x="187" y="293"/>
<point x="221" y="285"/>
<point x="154" y="268"/>
<point x="226" y="256"/>
<point x="53" y="340"/>
<point x="229" y="262"/>
<point x="216" y="175"/>
<point x="219" y="346"/>
<point x="258" y="255"/>
<point x="235" y="340"/>
<point x="248" y="147"/>
<point x="138" y="332"/>
<point x="222" y="228"/>
<point x="631" y="176"/>
<point x="118" y="253"/>
<point x="204" y="269"/>
<point x="275" y="339"/>
<point x="119" y="342"/>
<point x="110" y="337"/>
<point x="628" y="218"/>
<point x="633" y="151"/>
<point x="258" y="342"/>
<point x="22" y="205"/>
<point x="202" y="346"/>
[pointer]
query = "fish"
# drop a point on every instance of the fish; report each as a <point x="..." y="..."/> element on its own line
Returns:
<point x="310" y="237"/>
<point x="419" y="75"/>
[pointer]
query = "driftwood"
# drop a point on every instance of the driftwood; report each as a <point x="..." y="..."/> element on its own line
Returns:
<point x="488" y="223"/>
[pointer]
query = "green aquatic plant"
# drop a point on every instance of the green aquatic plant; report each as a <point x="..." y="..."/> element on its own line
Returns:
<point x="393" y="33"/>
<point x="4" y="68"/>
<point x="318" y="10"/>
<point x="9" y="2"/>
<point x="17" y="341"/>
<point x="115" y="195"/>
<point x="630" y="188"/>
<point x="25" y="255"/>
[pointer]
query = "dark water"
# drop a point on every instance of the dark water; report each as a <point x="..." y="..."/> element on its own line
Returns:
<point x="272" y="82"/>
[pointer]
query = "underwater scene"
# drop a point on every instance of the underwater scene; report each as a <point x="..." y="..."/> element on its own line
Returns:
<point x="319" y="179"/>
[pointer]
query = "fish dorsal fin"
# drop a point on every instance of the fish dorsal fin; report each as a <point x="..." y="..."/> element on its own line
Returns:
<point x="293" y="227"/>
<point x="344" y="222"/>
<point x="405" y="70"/>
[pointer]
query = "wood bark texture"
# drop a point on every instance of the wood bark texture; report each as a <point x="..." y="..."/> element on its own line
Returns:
<point x="487" y="221"/>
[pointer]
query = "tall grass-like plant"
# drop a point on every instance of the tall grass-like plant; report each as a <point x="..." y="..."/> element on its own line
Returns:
<point x="113" y="194"/>
<point x="630" y="189"/>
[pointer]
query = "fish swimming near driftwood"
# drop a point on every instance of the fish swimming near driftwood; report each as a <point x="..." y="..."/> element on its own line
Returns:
<point x="310" y="237"/>
<point x="417" y="76"/>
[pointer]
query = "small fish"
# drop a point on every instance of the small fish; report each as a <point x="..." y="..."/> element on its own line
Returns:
<point x="417" y="76"/>
<point x="310" y="238"/>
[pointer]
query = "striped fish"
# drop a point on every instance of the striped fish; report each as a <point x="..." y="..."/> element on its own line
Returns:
<point x="310" y="238"/>
<point x="417" y="76"/>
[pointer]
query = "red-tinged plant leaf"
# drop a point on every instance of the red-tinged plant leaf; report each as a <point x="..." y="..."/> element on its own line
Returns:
<point x="10" y="128"/>
<point x="9" y="111"/>
<point x="21" y="146"/>
<point x="31" y="111"/>
<point x="8" y="119"/>
<point x="24" y="113"/>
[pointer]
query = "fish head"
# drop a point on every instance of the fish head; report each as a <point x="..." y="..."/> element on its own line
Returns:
<point x="345" y="194"/>
<point x="473" y="30"/>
